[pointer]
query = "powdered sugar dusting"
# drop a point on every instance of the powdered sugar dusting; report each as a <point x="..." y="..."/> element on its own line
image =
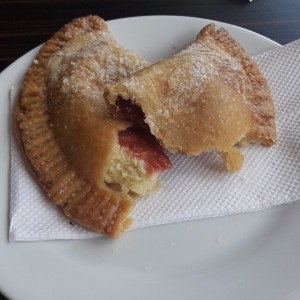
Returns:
<point x="87" y="62"/>
<point x="182" y="78"/>
<point x="192" y="99"/>
<point x="200" y="63"/>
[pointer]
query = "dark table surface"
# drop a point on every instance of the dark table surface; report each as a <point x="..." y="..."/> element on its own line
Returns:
<point x="25" y="24"/>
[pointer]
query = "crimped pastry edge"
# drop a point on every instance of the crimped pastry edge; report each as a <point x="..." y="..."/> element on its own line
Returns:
<point x="110" y="211"/>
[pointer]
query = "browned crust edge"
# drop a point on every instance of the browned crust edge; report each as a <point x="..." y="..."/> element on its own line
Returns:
<point x="258" y="94"/>
<point x="96" y="209"/>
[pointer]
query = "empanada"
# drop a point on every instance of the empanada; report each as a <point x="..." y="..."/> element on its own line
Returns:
<point x="210" y="96"/>
<point x="89" y="163"/>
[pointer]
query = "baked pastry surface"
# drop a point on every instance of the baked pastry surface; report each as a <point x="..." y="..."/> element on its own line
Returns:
<point x="71" y="141"/>
<point x="211" y="96"/>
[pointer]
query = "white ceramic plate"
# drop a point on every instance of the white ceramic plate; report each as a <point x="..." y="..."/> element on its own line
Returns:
<point x="248" y="256"/>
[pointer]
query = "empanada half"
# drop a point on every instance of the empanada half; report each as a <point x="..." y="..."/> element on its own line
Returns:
<point x="210" y="96"/>
<point x="89" y="163"/>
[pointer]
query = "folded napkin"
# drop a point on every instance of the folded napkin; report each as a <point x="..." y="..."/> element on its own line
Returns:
<point x="196" y="187"/>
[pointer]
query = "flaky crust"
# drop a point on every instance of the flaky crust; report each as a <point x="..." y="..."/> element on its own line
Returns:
<point x="64" y="126"/>
<point x="208" y="97"/>
<point x="257" y="93"/>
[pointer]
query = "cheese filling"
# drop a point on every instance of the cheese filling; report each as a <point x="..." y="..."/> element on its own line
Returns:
<point x="136" y="162"/>
<point x="129" y="174"/>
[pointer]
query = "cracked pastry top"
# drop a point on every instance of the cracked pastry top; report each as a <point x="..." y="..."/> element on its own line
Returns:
<point x="89" y="163"/>
<point x="209" y="97"/>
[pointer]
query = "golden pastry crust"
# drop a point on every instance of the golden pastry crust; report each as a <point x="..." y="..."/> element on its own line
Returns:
<point x="64" y="126"/>
<point x="257" y="93"/>
<point x="208" y="97"/>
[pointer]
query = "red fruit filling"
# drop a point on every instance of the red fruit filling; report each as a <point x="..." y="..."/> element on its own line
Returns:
<point x="142" y="145"/>
<point x="137" y="140"/>
<point x="125" y="109"/>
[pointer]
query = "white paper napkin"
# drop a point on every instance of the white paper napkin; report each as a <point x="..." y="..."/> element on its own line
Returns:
<point x="196" y="187"/>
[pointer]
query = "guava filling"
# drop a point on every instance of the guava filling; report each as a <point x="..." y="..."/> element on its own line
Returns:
<point x="137" y="140"/>
<point x="142" y="145"/>
<point x="125" y="109"/>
